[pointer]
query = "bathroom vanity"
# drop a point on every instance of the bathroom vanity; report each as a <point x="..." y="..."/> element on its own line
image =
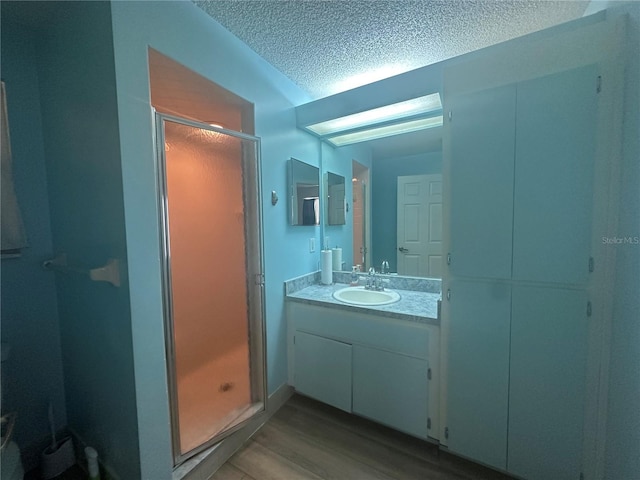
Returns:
<point x="379" y="362"/>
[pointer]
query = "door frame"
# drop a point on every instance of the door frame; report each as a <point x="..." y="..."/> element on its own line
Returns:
<point x="366" y="227"/>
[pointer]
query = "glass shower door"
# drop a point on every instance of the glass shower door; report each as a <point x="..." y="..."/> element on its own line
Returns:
<point x="209" y="183"/>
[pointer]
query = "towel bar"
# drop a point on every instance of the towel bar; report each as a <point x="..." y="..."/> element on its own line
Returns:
<point x="110" y="272"/>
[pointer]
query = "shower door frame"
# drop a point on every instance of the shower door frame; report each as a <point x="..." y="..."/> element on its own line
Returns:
<point x="254" y="256"/>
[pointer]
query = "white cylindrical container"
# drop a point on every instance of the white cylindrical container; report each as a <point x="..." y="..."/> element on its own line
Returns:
<point x="326" y="267"/>
<point x="92" y="463"/>
<point x="336" y="254"/>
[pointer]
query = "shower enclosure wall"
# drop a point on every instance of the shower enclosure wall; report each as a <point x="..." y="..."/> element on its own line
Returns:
<point x="213" y="289"/>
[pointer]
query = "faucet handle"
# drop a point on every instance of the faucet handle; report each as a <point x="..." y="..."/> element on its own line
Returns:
<point x="372" y="271"/>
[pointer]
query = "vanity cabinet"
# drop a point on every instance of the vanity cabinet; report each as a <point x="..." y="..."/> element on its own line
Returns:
<point x="372" y="366"/>
<point x="323" y="369"/>
<point x="391" y="389"/>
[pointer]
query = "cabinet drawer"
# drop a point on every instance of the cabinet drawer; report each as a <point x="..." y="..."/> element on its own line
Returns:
<point x="387" y="334"/>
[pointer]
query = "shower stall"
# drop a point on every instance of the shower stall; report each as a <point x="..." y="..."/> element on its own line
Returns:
<point x="208" y="180"/>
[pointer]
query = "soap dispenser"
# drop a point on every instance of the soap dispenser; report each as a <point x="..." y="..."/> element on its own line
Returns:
<point x="354" y="275"/>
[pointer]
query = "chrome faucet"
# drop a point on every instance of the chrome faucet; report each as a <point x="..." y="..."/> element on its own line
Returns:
<point x="374" y="282"/>
<point x="371" y="279"/>
<point x="384" y="269"/>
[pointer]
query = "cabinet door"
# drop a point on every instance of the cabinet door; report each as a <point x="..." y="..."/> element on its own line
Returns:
<point x="478" y="370"/>
<point x="547" y="383"/>
<point x="555" y="151"/>
<point x="391" y="389"/>
<point x="323" y="369"/>
<point x="482" y="132"/>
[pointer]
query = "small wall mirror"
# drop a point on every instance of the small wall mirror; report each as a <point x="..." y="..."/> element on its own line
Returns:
<point x="335" y="199"/>
<point x="304" y="193"/>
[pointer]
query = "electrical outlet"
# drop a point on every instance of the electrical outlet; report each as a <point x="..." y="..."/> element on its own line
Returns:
<point x="312" y="245"/>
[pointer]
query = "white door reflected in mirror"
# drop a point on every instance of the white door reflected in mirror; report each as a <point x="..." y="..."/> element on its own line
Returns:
<point x="419" y="235"/>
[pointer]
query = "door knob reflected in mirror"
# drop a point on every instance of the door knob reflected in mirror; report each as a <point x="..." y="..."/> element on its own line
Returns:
<point x="403" y="250"/>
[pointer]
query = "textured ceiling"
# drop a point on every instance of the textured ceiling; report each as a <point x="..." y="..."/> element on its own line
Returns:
<point x="330" y="46"/>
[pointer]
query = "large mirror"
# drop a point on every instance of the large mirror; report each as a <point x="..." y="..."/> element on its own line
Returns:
<point x="394" y="198"/>
<point x="335" y="199"/>
<point x="406" y="214"/>
<point x="304" y="193"/>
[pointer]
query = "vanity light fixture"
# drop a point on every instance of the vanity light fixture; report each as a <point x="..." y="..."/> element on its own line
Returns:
<point x="387" y="113"/>
<point x="385" y="131"/>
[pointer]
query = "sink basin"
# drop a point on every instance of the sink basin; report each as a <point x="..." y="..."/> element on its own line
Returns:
<point x="361" y="296"/>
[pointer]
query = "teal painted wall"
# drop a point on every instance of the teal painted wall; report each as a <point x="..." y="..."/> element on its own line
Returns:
<point x="80" y="125"/>
<point x="101" y="174"/>
<point x="623" y="420"/>
<point x="186" y="34"/>
<point x="384" y="192"/>
<point x="29" y="305"/>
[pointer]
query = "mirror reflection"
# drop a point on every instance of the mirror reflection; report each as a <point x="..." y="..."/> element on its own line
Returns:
<point x="396" y="211"/>
<point x="406" y="214"/>
<point x="304" y="193"/>
<point x="335" y="199"/>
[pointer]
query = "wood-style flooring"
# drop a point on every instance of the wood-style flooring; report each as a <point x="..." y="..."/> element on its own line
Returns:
<point x="306" y="439"/>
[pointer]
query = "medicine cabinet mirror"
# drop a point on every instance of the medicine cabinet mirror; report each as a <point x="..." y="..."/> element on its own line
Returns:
<point x="304" y="193"/>
<point x="335" y="199"/>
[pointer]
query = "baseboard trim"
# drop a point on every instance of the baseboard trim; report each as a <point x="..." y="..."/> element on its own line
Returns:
<point x="278" y="398"/>
<point x="205" y="464"/>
